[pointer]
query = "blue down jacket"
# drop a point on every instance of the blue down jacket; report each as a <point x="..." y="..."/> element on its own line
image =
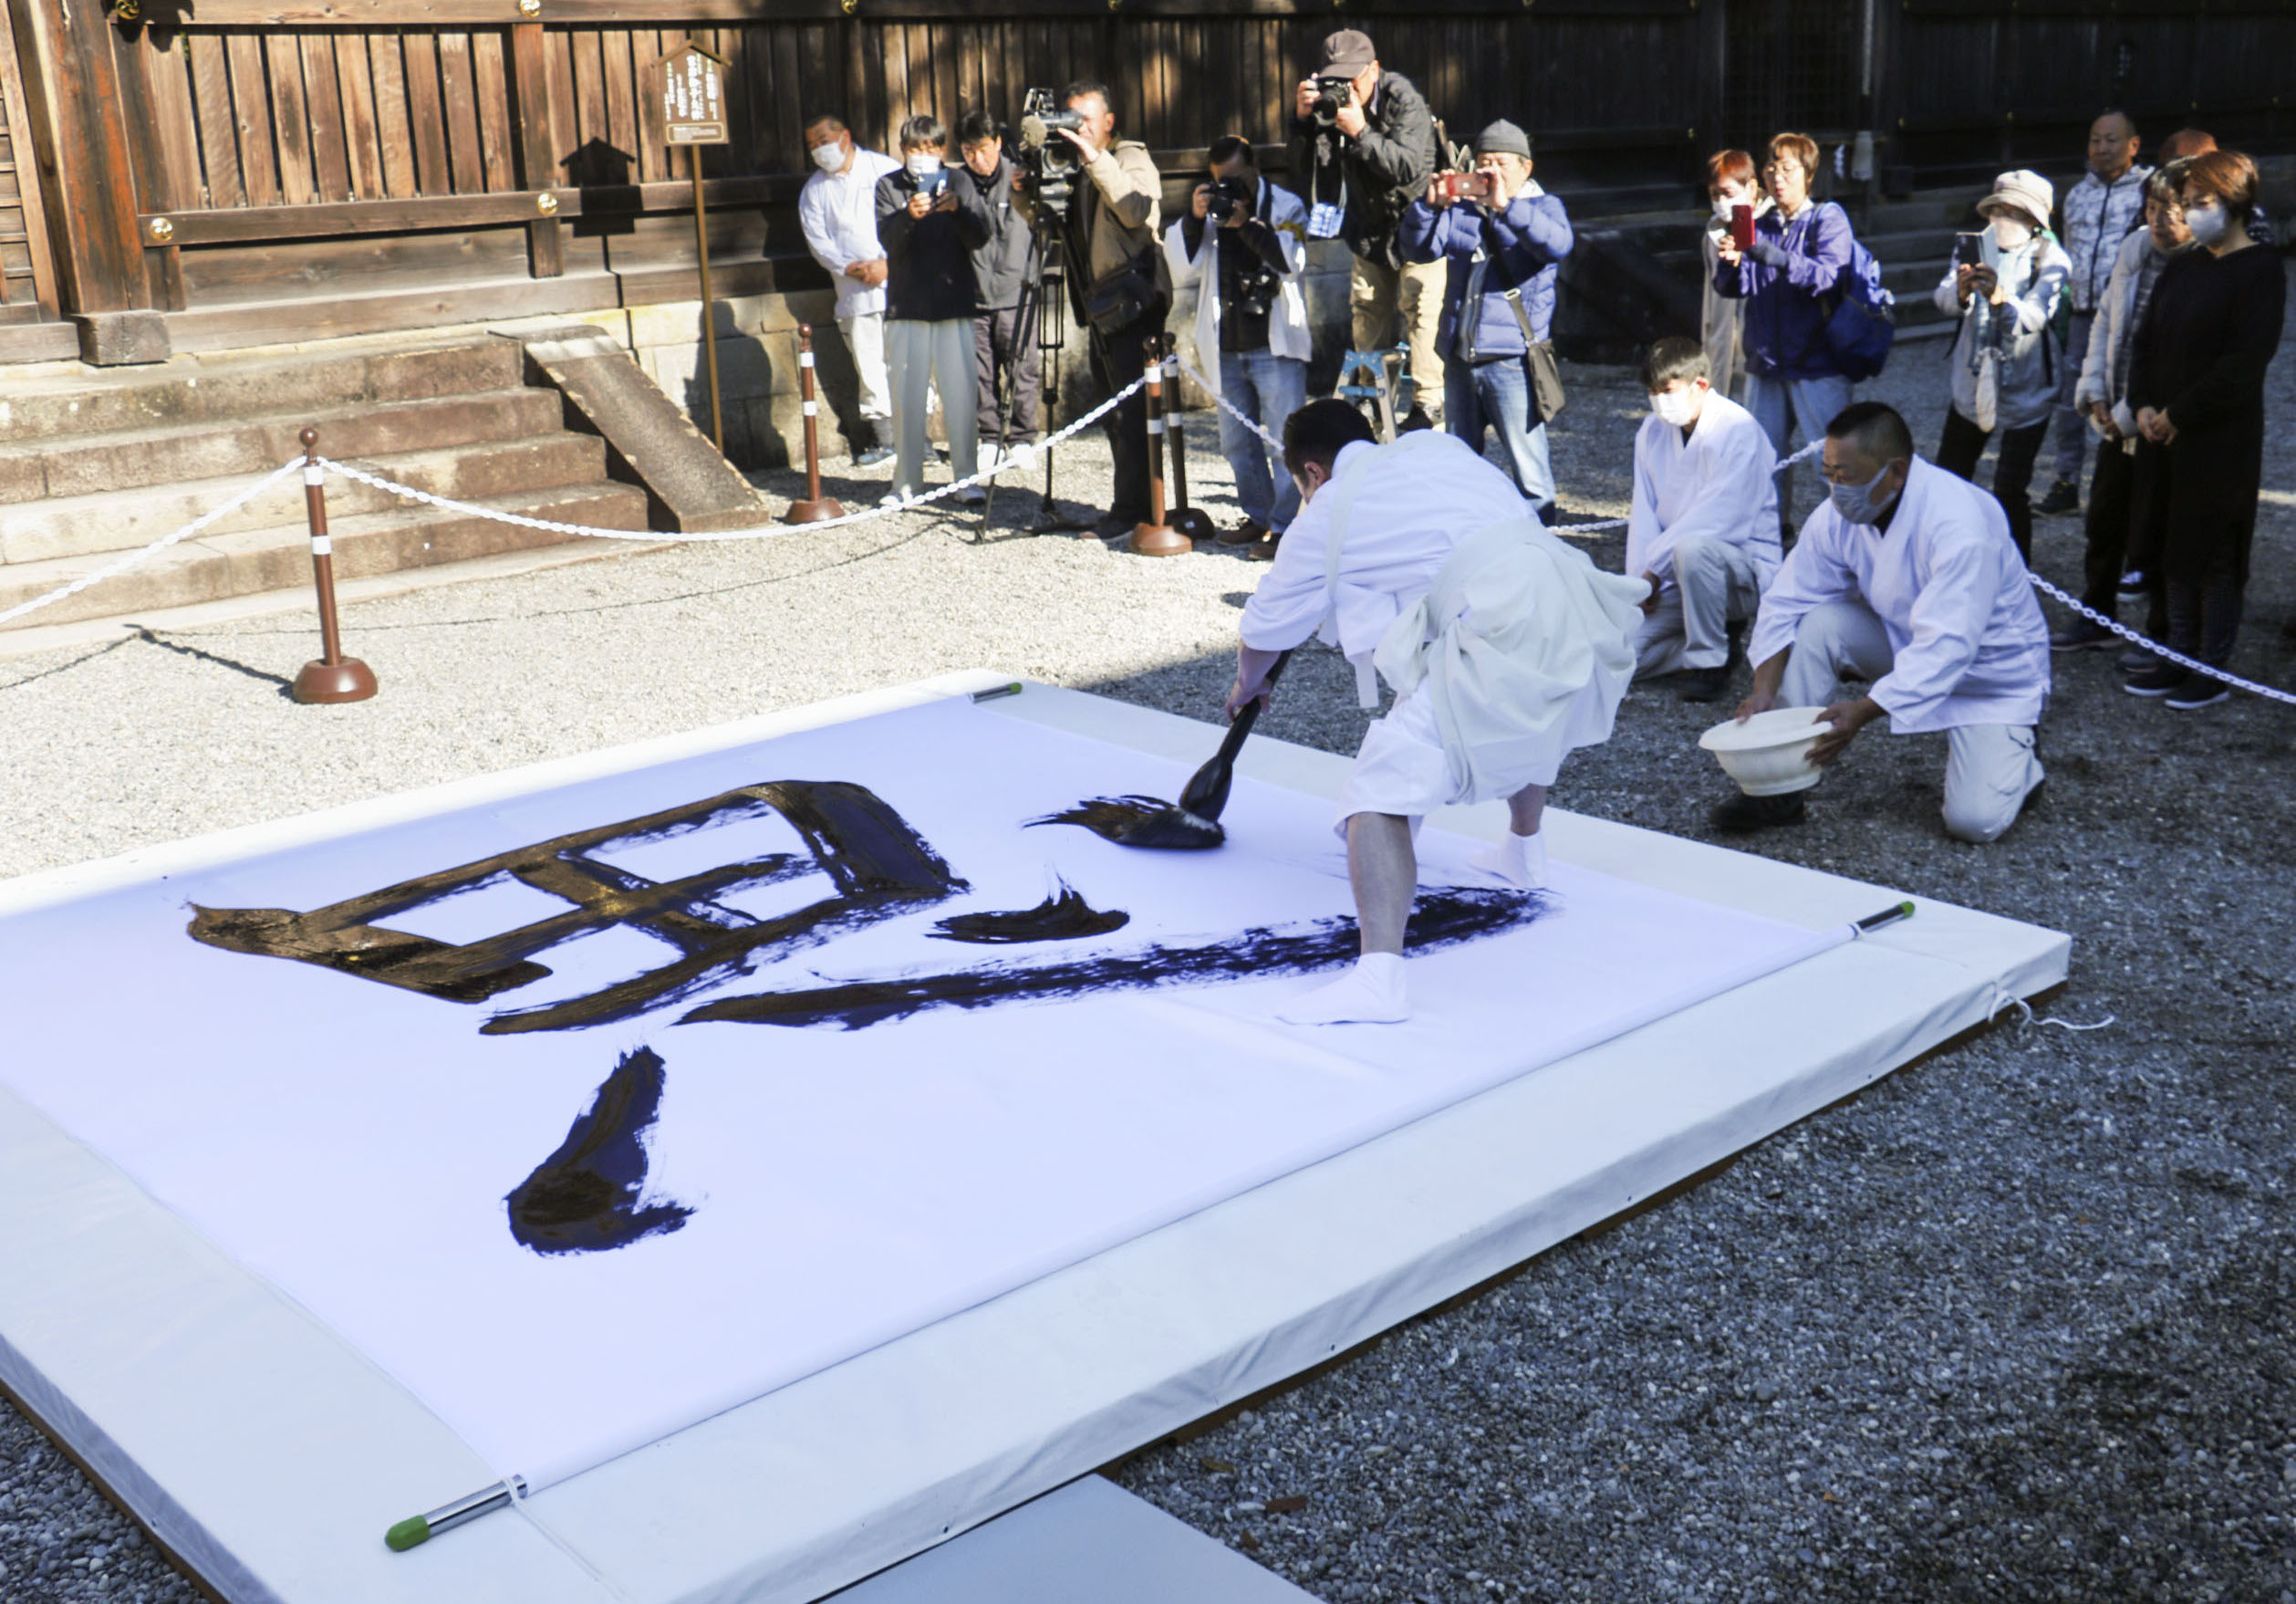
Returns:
<point x="1525" y="243"/>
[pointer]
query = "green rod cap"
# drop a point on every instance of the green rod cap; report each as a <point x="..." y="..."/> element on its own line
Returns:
<point x="411" y="1533"/>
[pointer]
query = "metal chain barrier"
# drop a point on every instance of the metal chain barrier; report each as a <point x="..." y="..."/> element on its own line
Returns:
<point x="763" y="532"/>
<point x="98" y="575"/>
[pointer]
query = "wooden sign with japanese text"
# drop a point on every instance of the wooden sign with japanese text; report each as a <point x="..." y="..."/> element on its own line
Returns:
<point x="693" y="97"/>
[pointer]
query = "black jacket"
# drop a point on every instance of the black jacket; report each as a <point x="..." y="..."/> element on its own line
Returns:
<point x="1000" y="268"/>
<point x="1384" y="171"/>
<point x="929" y="259"/>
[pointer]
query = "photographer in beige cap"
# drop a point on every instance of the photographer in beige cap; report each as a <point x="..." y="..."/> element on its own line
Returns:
<point x="1362" y="149"/>
<point x="2006" y="283"/>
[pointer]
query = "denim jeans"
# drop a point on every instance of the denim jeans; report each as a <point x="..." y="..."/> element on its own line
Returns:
<point x="1269" y="388"/>
<point x="1497" y="395"/>
<point x="1781" y="404"/>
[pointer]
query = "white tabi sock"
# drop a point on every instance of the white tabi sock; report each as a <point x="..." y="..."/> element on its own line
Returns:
<point x="1370" y="994"/>
<point x="1520" y="860"/>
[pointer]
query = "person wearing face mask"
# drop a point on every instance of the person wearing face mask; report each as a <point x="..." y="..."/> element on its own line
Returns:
<point x="1802" y="249"/>
<point x="1703" y="525"/>
<point x="2100" y="213"/>
<point x="837" y="211"/>
<point x="1506" y="647"/>
<point x="1906" y="579"/>
<point x="2115" y="555"/>
<point x="2196" y="383"/>
<point x="1730" y="182"/>
<point x="931" y="219"/>
<point x="1503" y="256"/>
<point x="2006" y="359"/>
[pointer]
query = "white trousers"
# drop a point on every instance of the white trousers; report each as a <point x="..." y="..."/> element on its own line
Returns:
<point x="1990" y="769"/>
<point x="1716" y="585"/>
<point x="864" y="337"/>
<point x="941" y="355"/>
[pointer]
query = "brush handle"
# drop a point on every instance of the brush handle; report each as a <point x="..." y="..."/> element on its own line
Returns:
<point x="1241" y="725"/>
<point x="1207" y="792"/>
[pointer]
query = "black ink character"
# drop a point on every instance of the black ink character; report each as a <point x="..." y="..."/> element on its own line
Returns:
<point x="587" y="1197"/>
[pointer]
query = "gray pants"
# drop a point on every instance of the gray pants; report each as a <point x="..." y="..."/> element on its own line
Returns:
<point x="1716" y="585"/>
<point x="2068" y="434"/>
<point x="1991" y="768"/>
<point x="1001" y="345"/>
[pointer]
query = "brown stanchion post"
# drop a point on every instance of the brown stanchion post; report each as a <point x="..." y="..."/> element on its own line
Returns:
<point x="334" y="677"/>
<point x="1154" y="538"/>
<point x="815" y="506"/>
<point x="1188" y="520"/>
<point x="709" y="299"/>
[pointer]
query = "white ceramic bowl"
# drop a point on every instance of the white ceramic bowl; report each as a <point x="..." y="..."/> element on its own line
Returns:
<point x="1768" y="755"/>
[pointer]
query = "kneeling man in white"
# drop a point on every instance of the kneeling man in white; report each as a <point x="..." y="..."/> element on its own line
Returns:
<point x="1909" y="580"/>
<point x="1703" y="525"/>
<point x="1506" y="647"/>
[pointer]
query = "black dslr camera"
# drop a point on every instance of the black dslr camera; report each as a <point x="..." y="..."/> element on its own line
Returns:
<point x="1051" y="162"/>
<point x="1331" y="94"/>
<point x="1231" y="197"/>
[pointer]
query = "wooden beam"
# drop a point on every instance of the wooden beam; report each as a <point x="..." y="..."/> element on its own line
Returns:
<point x="683" y="13"/>
<point x="28" y="184"/>
<point x="80" y="137"/>
<point x="539" y="143"/>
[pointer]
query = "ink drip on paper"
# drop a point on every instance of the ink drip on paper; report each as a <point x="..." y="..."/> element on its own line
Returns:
<point x="589" y="1195"/>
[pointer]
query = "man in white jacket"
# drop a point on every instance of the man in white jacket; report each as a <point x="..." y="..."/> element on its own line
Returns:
<point x="1243" y="243"/>
<point x="1907" y="579"/>
<point x="1703" y="525"/>
<point x="1507" y="648"/>
<point x="837" y="211"/>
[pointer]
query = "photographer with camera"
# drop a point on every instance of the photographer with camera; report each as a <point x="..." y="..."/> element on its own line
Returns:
<point x="1363" y="145"/>
<point x="1115" y="280"/>
<point x="1244" y="240"/>
<point x="1003" y="329"/>
<point x="1503" y="239"/>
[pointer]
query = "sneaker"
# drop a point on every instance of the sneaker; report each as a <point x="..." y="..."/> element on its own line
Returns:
<point x="972" y="495"/>
<point x="2133" y="583"/>
<point x="2156" y="681"/>
<point x="2078" y="634"/>
<point x="892" y="498"/>
<point x="2064" y="497"/>
<point x="1117" y="527"/>
<point x="2135" y="661"/>
<point x="1251" y="532"/>
<point x="1262" y="550"/>
<point x="991" y="458"/>
<point x="872" y="456"/>
<point x="1702" y="685"/>
<point x="2198" y="690"/>
<point x="1742" y="814"/>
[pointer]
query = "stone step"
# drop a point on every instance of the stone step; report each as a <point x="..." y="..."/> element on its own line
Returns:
<point x="213" y="566"/>
<point x="124" y="460"/>
<point x="69" y="400"/>
<point x="116" y="520"/>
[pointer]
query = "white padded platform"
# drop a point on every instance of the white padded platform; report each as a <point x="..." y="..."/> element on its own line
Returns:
<point x="271" y="1454"/>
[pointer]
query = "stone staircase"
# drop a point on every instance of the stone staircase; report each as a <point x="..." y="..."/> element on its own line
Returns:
<point x="95" y="463"/>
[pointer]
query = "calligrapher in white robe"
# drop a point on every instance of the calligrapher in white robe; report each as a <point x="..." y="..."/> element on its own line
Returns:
<point x="1936" y="612"/>
<point x="1506" y="646"/>
<point x="1704" y="523"/>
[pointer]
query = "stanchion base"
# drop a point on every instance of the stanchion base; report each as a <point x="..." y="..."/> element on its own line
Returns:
<point x="1160" y="540"/>
<point x="1193" y="523"/>
<point x="813" y="512"/>
<point x="348" y="680"/>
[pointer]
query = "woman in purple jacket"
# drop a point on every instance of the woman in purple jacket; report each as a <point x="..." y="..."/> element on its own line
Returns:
<point x="1802" y="248"/>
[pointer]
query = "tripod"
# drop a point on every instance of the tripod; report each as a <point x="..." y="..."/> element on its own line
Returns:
<point x="1043" y="285"/>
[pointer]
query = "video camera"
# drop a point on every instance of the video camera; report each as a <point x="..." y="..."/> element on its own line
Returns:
<point x="1331" y="94"/>
<point x="1051" y="162"/>
<point x="1231" y="197"/>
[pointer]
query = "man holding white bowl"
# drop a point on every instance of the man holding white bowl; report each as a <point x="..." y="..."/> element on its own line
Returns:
<point x="1906" y="578"/>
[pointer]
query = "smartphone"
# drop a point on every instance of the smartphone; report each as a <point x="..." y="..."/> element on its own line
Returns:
<point x="1967" y="250"/>
<point x="1741" y="229"/>
<point x="1463" y="186"/>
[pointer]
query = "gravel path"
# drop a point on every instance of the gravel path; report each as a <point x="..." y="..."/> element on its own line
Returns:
<point x="2010" y="1323"/>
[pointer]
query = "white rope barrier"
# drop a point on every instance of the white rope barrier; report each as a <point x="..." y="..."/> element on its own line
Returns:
<point x="2192" y="664"/>
<point x="98" y="575"/>
<point x="760" y="531"/>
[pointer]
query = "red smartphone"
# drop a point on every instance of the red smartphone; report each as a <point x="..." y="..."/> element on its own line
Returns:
<point x="1463" y="186"/>
<point x="1741" y="229"/>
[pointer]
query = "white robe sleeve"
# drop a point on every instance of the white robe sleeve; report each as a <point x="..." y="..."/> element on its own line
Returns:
<point x="1644" y="540"/>
<point x="1291" y="602"/>
<point x="1813" y="573"/>
<point x="1729" y="499"/>
<point x="1950" y="613"/>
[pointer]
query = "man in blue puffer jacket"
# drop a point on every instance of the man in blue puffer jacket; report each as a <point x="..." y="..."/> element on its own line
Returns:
<point x="1802" y="250"/>
<point x="1501" y="260"/>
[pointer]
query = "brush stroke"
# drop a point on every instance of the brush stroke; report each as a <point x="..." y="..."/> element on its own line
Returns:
<point x="1440" y="919"/>
<point x="879" y="866"/>
<point x="1107" y="816"/>
<point x="1061" y="917"/>
<point x="587" y="1197"/>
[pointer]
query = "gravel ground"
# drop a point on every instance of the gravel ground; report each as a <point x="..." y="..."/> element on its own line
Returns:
<point x="2010" y="1323"/>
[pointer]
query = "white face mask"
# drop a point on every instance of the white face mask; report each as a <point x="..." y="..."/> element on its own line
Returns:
<point x="2011" y="232"/>
<point x="830" y="157"/>
<point x="921" y="164"/>
<point x="1724" y="205"/>
<point x="1677" y="407"/>
<point x="2208" y="223"/>
<point x="1857" y="503"/>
